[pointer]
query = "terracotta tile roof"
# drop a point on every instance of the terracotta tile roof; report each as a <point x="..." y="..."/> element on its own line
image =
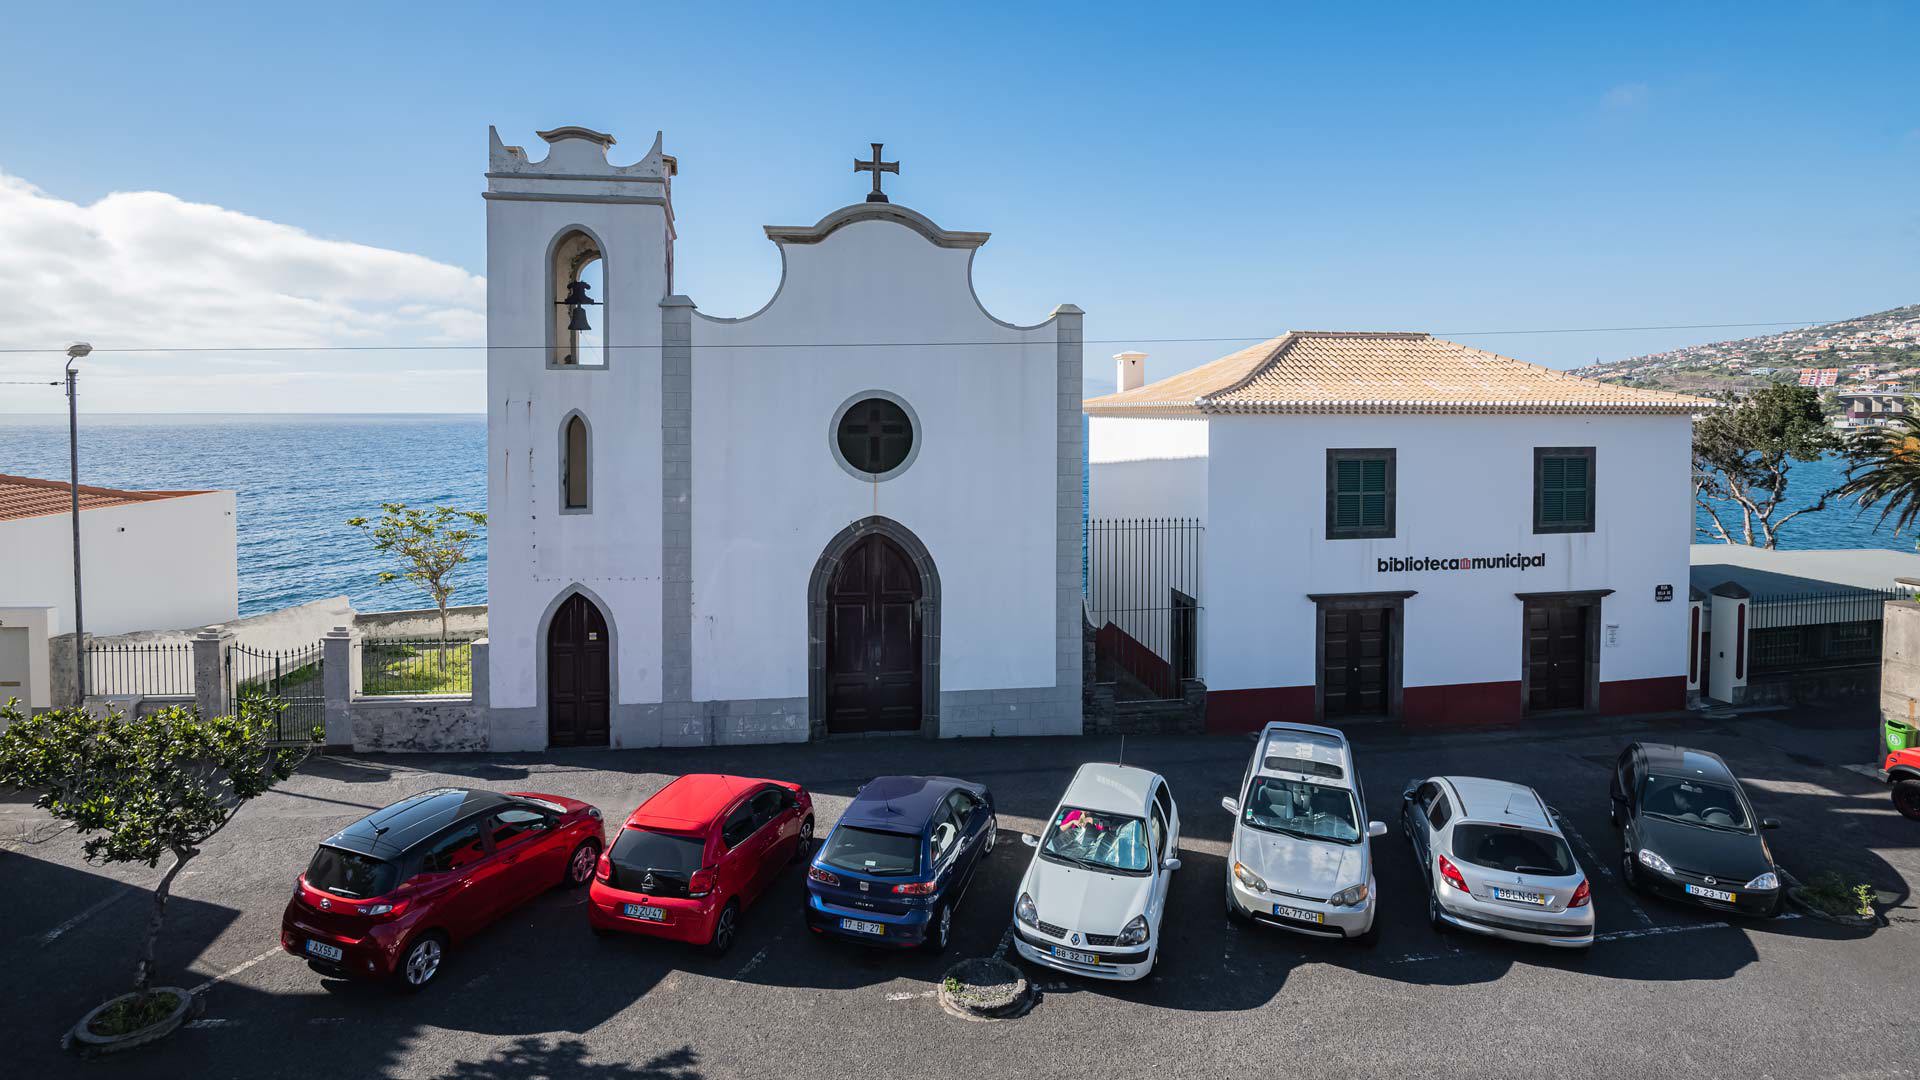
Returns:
<point x="25" y="497"/>
<point x="1317" y="371"/>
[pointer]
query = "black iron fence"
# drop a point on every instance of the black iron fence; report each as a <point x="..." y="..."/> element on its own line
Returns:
<point x="1803" y="631"/>
<point x="416" y="666"/>
<point x="1143" y="598"/>
<point x="293" y="677"/>
<point x="154" y="669"/>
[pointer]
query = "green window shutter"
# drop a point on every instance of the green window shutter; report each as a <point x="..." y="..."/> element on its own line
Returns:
<point x="1565" y="489"/>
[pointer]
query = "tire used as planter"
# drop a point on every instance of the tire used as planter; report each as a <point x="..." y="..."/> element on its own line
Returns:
<point x="83" y="1039"/>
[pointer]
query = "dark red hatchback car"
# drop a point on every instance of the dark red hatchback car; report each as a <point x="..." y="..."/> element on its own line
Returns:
<point x="697" y="854"/>
<point x="392" y="892"/>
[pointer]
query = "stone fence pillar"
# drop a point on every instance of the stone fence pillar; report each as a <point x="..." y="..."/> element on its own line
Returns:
<point x="211" y="695"/>
<point x="1899" y="668"/>
<point x="482" y="688"/>
<point x="337" y="684"/>
<point x="63" y="670"/>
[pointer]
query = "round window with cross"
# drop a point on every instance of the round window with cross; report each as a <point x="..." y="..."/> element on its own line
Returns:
<point x="875" y="435"/>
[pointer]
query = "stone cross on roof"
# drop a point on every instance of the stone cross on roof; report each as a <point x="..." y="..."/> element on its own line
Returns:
<point x="876" y="167"/>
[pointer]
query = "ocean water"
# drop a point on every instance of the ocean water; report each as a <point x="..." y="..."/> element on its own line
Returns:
<point x="297" y="478"/>
<point x="300" y="477"/>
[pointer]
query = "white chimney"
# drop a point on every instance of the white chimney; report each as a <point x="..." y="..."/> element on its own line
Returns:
<point x="1129" y="370"/>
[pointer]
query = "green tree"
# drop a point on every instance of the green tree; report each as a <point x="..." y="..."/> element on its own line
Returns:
<point x="1884" y="470"/>
<point x="1743" y="456"/>
<point x="431" y="546"/>
<point x="142" y="789"/>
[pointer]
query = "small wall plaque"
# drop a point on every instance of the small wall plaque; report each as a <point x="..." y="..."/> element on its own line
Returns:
<point x="1662" y="593"/>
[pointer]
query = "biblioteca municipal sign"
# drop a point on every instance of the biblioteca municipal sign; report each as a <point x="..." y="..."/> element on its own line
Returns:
<point x="1515" y="561"/>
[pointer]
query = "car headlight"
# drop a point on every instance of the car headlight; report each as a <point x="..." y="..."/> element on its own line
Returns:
<point x="1768" y="880"/>
<point x="1026" y="912"/>
<point x="1349" y="896"/>
<point x="1250" y="879"/>
<point x="1652" y="861"/>
<point x="1134" y="933"/>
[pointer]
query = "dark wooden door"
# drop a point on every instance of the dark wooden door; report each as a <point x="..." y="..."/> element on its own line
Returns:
<point x="577" y="675"/>
<point x="1556" y="655"/>
<point x="1354" y="664"/>
<point x="873" y="640"/>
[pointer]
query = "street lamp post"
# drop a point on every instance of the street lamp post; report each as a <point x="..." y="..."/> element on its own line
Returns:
<point x="75" y="352"/>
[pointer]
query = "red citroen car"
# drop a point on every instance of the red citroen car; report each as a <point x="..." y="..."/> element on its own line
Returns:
<point x="691" y="858"/>
<point x="392" y="892"/>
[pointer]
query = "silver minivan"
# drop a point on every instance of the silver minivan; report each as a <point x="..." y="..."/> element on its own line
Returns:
<point x="1496" y="862"/>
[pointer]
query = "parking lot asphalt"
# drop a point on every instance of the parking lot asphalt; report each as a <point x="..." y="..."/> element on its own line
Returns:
<point x="1666" y="991"/>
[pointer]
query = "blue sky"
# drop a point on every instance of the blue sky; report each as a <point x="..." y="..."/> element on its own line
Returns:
<point x="1176" y="171"/>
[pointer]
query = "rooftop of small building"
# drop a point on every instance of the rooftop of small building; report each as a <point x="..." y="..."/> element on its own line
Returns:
<point x="1776" y="572"/>
<point x="26" y="496"/>
<point x="1322" y="371"/>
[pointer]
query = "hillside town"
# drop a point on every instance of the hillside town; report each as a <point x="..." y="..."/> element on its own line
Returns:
<point x="1865" y="367"/>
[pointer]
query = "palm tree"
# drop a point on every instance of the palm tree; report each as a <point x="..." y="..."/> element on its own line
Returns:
<point x="1885" y="470"/>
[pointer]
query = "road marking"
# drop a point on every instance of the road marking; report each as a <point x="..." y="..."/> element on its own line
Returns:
<point x="327" y="1020"/>
<point x="1600" y="867"/>
<point x="912" y="997"/>
<point x="1006" y="939"/>
<point x="52" y="935"/>
<point x="1611" y="935"/>
<point x="758" y="958"/>
<point x="225" y="975"/>
<point x="209" y="1022"/>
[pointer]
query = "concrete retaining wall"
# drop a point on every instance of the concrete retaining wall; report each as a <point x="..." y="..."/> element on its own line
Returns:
<point x="1899" y="665"/>
<point x="466" y="622"/>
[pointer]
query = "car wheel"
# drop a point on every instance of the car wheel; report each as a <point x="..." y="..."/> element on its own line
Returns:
<point x="1906" y="799"/>
<point x="1235" y="915"/>
<point x="940" y="929"/>
<point x="1372" y="937"/>
<point x="724" y="929"/>
<point x="1440" y="924"/>
<point x="805" y="846"/>
<point x="581" y="863"/>
<point x="422" y="961"/>
<point x="1629" y="872"/>
<point x="993" y="834"/>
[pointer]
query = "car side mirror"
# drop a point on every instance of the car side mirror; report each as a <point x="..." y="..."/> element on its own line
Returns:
<point x="1170" y="864"/>
<point x="1769" y="823"/>
<point x="1230" y="804"/>
<point x="1029" y="839"/>
<point x="1376" y="828"/>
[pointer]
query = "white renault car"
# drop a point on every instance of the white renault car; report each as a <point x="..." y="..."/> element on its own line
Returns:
<point x="1300" y="856"/>
<point x="1496" y="862"/>
<point x="1094" y="892"/>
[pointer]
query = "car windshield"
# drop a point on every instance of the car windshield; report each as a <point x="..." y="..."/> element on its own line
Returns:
<point x="873" y="851"/>
<point x="1517" y="851"/>
<point x="1693" y="802"/>
<point x="349" y="873"/>
<point x="1110" y="843"/>
<point x="641" y="850"/>
<point x="1298" y="808"/>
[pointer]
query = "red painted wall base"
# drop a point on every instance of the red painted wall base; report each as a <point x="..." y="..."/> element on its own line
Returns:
<point x="1455" y="705"/>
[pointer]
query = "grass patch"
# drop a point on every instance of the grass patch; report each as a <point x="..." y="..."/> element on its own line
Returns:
<point x="417" y="667"/>
<point x="134" y="1014"/>
<point x="1831" y="893"/>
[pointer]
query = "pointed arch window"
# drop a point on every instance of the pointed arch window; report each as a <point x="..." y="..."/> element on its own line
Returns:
<point x="576" y="465"/>
<point x="576" y="298"/>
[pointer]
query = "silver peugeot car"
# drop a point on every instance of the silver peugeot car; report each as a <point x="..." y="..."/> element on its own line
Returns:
<point x="1496" y="862"/>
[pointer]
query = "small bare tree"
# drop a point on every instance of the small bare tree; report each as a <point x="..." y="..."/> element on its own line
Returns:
<point x="431" y="546"/>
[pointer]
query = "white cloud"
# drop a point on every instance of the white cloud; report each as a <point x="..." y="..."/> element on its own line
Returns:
<point x="149" y="269"/>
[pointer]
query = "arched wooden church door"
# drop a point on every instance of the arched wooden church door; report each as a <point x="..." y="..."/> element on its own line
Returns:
<point x="873" y="640"/>
<point x="578" y="677"/>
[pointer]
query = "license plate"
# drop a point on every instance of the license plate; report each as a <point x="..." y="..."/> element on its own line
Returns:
<point x="324" y="950"/>
<point x="1296" y="913"/>
<point x="644" y="911"/>
<point x="1711" y="894"/>
<point x="859" y="927"/>
<point x="1075" y="956"/>
<point x="1514" y="896"/>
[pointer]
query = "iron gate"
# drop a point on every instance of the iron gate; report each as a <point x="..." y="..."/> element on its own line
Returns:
<point x="292" y="676"/>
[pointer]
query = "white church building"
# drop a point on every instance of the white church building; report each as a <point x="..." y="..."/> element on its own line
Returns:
<point x="855" y="510"/>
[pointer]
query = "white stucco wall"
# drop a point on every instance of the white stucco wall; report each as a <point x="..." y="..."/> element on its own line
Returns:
<point x="534" y="552"/>
<point x="161" y="564"/>
<point x="769" y="495"/>
<point x="1146" y="467"/>
<point x="1465" y="487"/>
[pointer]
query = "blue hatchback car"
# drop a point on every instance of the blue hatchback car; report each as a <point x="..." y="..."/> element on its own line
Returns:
<point x="896" y="866"/>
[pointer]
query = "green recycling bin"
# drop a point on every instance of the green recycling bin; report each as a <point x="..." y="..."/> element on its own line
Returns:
<point x="1900" y="736"/>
